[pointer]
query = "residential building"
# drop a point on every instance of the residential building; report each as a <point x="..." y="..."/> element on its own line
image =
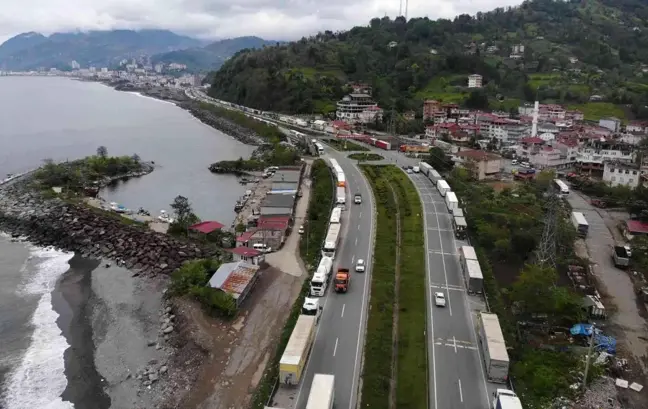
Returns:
<point x="285" y="182"/>
<point x="518" y="49"/>
<point x="456" y="133"/>
<point x="235" y="279"/>
<point x="482" y="164"/>
<point x="206" y="227"/>
<point x="75" y="65"/>
<point x="361" y="88"/>
<point x="247" y="255"/>
<point x="637" y="127"/>
<point x="474" y="81"/>
<point x="611" y="123"/>
<point x="595" y="153"/>
<point x="617" y="173"/>
<point x="278" y="205"/>
<point x="358" y="108"/>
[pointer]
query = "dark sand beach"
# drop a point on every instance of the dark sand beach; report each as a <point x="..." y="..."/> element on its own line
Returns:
<point x="73" y="300"/>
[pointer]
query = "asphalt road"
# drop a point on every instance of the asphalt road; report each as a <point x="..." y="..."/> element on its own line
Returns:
<point x="340" y="336"/>
<point x="457" y="378"/>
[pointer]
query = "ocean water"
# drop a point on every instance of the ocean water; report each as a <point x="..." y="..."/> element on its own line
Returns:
<point x="63" y="119"/>
<point x="31" y="359"/>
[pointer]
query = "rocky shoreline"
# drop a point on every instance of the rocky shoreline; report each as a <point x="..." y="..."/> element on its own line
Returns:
<point x="78" y="228"/>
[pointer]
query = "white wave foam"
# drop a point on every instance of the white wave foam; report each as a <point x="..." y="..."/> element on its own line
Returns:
<point x="139" y="94"/>
<point x="39" y="380"/>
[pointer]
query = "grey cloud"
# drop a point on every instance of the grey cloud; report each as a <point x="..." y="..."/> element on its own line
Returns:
<point x="212" y="19"/>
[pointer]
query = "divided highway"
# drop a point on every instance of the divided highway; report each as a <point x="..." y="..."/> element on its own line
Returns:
<point x="339" y="340"/>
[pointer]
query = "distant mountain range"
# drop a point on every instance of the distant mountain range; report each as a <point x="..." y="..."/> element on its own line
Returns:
<point x="211" y="56"/>
<point x="29" y="51"/>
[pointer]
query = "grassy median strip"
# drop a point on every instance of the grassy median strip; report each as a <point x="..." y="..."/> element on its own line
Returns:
<point x="376" y="376"/>
<point x="411" y="359"/>
<point x="319" y="210"/>
<point x="345" y="145"/>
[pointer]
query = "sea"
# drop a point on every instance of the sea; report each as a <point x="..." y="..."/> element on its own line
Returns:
<point x="63" y="119"/>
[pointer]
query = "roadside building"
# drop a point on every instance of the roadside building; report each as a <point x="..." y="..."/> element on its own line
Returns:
<point x="236" y="279"/>
<point x="247" y="254"/>
<point x="279" y="205"/>
<point x="474" y="81"/>
<point x="269" y="230"/>
<point x="482" y="164"/>
<point x="634" y="228"/>
<point x="285" y="182"/>
<point x="622" y="174"/>
<point x="206" y="227"/>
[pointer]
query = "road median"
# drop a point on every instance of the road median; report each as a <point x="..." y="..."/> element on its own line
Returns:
<point x="399" y="230"/>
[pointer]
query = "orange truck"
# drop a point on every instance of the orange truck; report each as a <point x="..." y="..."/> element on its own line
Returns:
<point x="342" y="279"/>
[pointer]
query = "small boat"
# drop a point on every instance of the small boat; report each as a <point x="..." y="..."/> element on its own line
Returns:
<point x="164" y="217"/>
<point x="116" y="207"/>
<point x="238" y="206"/>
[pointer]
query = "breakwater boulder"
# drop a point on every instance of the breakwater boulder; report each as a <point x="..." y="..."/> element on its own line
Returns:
<point x="78" y="228"/>
<point x="224" y="125"/>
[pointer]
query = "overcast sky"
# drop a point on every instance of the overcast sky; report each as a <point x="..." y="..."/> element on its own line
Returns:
<point x="216" y="19"/>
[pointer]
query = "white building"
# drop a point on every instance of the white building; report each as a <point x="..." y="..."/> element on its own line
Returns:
<point x="621" y="174"/>
<point x="358" y="108"/>
<point x="75" y="65"/>
<point x="474" y="81"/>
<point x="611" y="123"/>
<point x="518" y="49"/>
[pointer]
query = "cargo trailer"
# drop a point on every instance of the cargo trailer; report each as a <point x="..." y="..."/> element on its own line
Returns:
<point x="336" y="215"/>
<point x="491" y="340"/>
<point x="425" y="168"/>
<point x="452" y="202"/>
<point x="434" y="176"/>
<point x="580" y="223"/>
<point x="295" y="356"/>
<point x="443" y="187"/>
<point x="322" y="392"/>
<point x="383" y="145"/>
<point x="460" y="226"/>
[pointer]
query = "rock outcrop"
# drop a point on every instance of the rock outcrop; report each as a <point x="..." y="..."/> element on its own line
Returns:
<point x="72" y="227"/>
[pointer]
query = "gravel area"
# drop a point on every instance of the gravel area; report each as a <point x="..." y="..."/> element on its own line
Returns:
<point x="130" y="351"/>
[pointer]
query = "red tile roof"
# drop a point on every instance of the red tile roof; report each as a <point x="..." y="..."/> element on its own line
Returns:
<point x="532" y="140"/>
<point x="244" y="237"/>
<point x="207" y="227"/>
<point x="245" y="251"/>
<point x="273" y="222"/>
<point x="477" y="155"/>
<point x="637" y="227"/>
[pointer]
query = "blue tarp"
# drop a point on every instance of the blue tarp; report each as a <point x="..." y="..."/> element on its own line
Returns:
<point x="601" y="341"/>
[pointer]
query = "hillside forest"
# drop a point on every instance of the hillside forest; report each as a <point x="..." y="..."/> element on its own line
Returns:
<point x="587" y="55"/>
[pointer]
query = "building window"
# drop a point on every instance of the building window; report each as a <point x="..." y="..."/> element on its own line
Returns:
<point x="613" y="178"/>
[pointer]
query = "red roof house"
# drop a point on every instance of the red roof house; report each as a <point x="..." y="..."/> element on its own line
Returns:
<point x="206" y="227"/>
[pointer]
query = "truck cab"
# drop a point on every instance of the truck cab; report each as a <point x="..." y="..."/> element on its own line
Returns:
<point x="342" y="279"/>
<point x="621" y="257"/>
<point x="506" y="399"/>
<point x="312" y="307"/>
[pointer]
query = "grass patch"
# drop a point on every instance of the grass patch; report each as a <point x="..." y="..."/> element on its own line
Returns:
<point x="544" y="79"/>
<point x="365" y="156"/>
<point x="319" y="209"/>
<point x="445" y="88"/>
<point x="271" y="133"/>
<point x="411" y="372"/>
<point x="594" y="111"/>
<point x="345" y="145"/>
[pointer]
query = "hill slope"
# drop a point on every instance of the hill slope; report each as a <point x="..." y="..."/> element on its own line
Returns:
<point x="572" y="50"/>
<point x="213" y="55"/>
<point x="100" y="48"/>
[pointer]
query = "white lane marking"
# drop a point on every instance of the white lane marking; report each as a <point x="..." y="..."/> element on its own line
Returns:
<point x="454" y="341"/>
<point x="360" y="216"/>
<point x="335" y="348"/>
<point x="356" y="241"/>
<point x="460" y="392"/>
<point x="343" y="307"/>
<point x="445" y="271"/>
<point x="352" y="259"/>
<point x="358" y="227"/>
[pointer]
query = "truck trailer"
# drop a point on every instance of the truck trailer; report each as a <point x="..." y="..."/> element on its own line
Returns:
<point x="331" y="240"/>
<point x="295" y="356"/>
<point x="451" y="201"/>
<point x="460" y="226"/>
<point x="322" y="392"/>
<point x="443" y="187"/>
<point x="434" y="176"/>
<point x="320" y="279"/>
<point x="471" y="270"/>
<point x="340" y="196"/>
<point x="493" y="346"/>
<point x="425" y="168"/>
<point x="336" y="215"/>
<point x="580" y="223"/>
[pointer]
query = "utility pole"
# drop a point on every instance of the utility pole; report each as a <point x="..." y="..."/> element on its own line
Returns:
<point x="546" y="254"/>
<point x="589" y="357"/>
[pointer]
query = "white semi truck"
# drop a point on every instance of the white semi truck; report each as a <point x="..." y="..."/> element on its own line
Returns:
<point x="451" y="201"/>
<point x="336" y="215"/>
<point x="331" y="240"/>
<point x="493" y="345"/>
<point x="471" y="270"/>
<point x="340" y="196"/>
<point x="425" y="168"/>
<point x="506" y="399"/>
<point x="320" y="279"/>
<point x="443" y="187"/>
<point x="322" y="392"/>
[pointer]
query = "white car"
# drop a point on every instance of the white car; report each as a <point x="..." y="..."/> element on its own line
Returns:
<point x="409" y="171"/>
<point x="360" y="266"/>
<point x="357" y="199"/>
<point x="301" y="229"/>
<point x="439" y="299"/>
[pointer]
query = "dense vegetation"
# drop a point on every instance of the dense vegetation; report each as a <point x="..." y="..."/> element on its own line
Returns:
<point x="270" y="133"/>
<point x="398" y="268"/>
<point x="319" y="210"/>
<point x="262" y="157"/>
<point x="88" y="172"/>
<point x="346" y="145"/>
<point x="191" y="280"/>
<point x="573" y="50"/>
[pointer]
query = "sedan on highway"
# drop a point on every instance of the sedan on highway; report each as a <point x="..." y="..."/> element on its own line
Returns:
<point x="357" y="198"/>
<point x="360" y="266"/>
<point x="439" y="299"/>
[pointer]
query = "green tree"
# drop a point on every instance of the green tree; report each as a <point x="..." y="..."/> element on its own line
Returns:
<point x="102" y="152"/>
<point x="184" y="216"/>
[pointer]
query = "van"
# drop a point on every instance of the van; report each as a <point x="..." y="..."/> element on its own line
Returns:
<point x="261" y="247"/>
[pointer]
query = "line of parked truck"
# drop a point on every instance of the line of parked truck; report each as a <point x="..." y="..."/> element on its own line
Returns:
<point x="490" y="336"/>
<point x="293" y="361"/>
